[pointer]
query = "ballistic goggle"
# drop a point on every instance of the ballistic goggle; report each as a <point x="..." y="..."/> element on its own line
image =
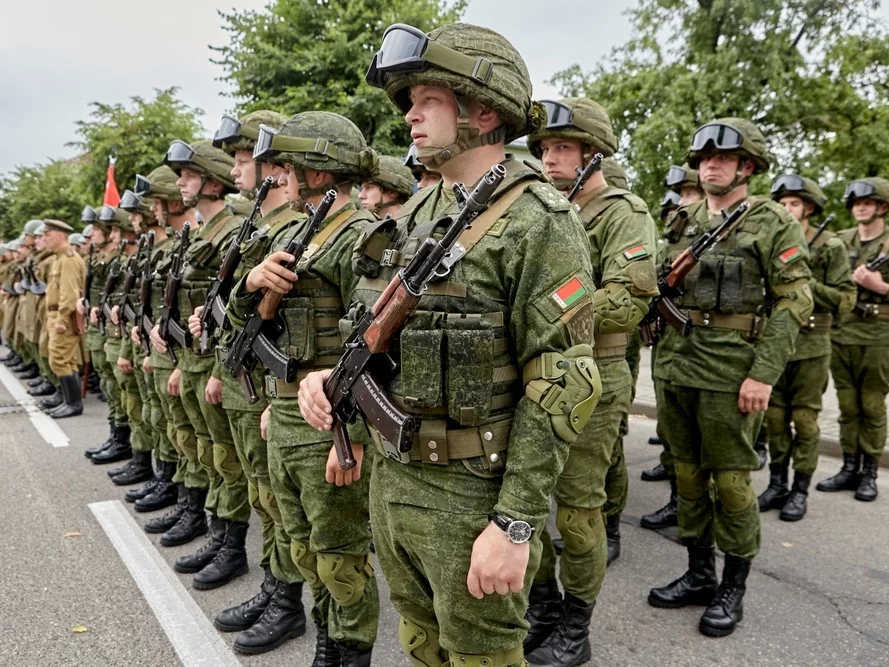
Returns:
<point x="859" y="190"/>
<point x="675" y="176"/>
<point x="180" y="154"/>
<point x="788" y="183"/>
<point x="107" y="214"/>
<point x="671" y="199"/>
<point x="88" y="214"/>
<point x="129" y="201"/>
<point x="408" y="49"/>
<point x="270" y="142"/>
<point x="143" y="186"/>
<point x="230" y="130"/>
<point x="718" y="136"/>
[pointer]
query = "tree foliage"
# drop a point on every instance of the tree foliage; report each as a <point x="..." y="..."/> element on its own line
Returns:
<point x="811" y="73"/>
<point x="51" y="190"/>
<point x="304" y="55"/>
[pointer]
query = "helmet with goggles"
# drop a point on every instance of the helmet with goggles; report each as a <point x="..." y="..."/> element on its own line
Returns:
<point x="209" y="162"/>
<point x="576" y="118"/>
<point x="873" y="188"/>
<point x="794" y="185"/>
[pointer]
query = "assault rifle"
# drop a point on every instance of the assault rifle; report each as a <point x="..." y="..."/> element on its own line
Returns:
<point x="256" y="341"/>
<point x="821" y="228"/>
<point x="110" y="285"/>
<point x="29" y="280"/>
<point x="864" y="309"/>
<point x="663" y="308"/>
<point x="583" y="175"/>
<point x="144" y="323"/>
<point x="81" y="320"/>
<point x="213" y="315"/>
<point x="125" y="306"/>
<point x="170" y="329"/>
<point x="351" y="386"/>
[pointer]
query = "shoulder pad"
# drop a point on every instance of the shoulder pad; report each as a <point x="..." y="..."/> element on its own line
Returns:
<point x="552" y="199"/>
<point x="831" y="240"/>
<point x="848" y="235"/>
<point x="638" y="204"/>
<point x="361" y="215"/>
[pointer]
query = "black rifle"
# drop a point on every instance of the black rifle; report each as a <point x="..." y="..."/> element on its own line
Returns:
<point x="669" y="283"/>
<point x="821" y="228"/>
<point x="125" y="306"/>
<point x="351" y="386"/>
<point x="33" y="285"/>
<point x="864" y="309"/>
<point x="213" y="315"/>
<point x="111" y="281"/>
<point x="169" y="327"/>
<point x="256" y="341"/>
<point x="82" y="320"/>
<point x="144" y="323"/>
<point x="583" y="175"/>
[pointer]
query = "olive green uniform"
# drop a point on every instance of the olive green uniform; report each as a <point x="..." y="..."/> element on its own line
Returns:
<point x="104" y="360"/>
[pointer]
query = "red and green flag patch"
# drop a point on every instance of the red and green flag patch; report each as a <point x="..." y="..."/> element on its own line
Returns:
<point x="636" y="252"/>
<point x="569" y="293"/>
<point x="790" y="254"/>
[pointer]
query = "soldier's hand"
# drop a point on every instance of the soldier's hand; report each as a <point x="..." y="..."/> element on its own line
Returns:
<point x="59" y="327"/>
<point x="146" y="365"/>
<point x="313" y="404"/>
<point x="81" y="306"/>
<point x="115" y="315"/>
<point x="159" y="343"/>
<point x="173" y="383"/>
<point x="134" y="335"/>
<point x="271" y="275"/>
<point x="194" y="322"/>
<point x="94" y="316"/>
<point x="497" y="565"/>
<point x="870" y="280"/>
<point x="213" y="391"/>
<point x="754" y="396"/>
<point x="125" y="365"/>
<point x="338" y="476"/>
<point x="264" y="422"/>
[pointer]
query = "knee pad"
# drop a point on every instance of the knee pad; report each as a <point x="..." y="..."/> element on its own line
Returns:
<point x="581" y="529"/>
<point x="306" y="562"/>
<point x="692" y="482"/>
<point x="268" y="501"/>
<point x="734" y="489"/>
<point x="253" y="498"/>
<point x="227" y="463"/>
<point x="873" y="407"/>
<point x="848" y="402"/>
<point x="805" y="421"/>
<point x="776" y="418"/>
<point x="513" y="657"/>
<point x="345" y="576"/>
<point x="205" y="454"/>
<point x="420" y="644"/>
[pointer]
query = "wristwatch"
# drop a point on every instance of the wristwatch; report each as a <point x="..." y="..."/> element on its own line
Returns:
<point x="516" y="530"/>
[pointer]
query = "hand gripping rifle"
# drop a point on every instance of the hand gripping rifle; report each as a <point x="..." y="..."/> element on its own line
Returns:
<point x="669" y="284"/>
<point x="864" y="309"/>
<point x="144" y="322"/>
<point x="125" y="306"/>
<point x="110" y="285"/>
<point x="213" y="315"/>
<point x="30" y="281"/>
<point x="169" y="327"/>
<point x="821" y="228"/>
<point x="351" y="387"/>
<point x="583" y="175"/>
<point x="256" y="341"/>
<point x="81" y="320"/>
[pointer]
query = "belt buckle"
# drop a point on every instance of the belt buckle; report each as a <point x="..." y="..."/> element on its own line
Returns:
<point x="271" y="386"/>
<point x="386" y="259"/>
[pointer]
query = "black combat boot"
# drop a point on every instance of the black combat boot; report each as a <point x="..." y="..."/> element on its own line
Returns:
<point x="612" y="533"/>
<point x="28" y="372"/>
<point x="657" y="474"/>
<point x="152" y="485"/>
<point x="34" y="382"/>
<point x="697" y="586"/>
<point x="71" y="394"/>
<point x="727" y="609"/>
<point x="654" y="440"/>
<point x="761" y="447"/>
<point x="666" y="516"/>
<point x="355" y="657"/>
<point x="7" y="358"/>
<point x="163" y="523"/>
<point x="774" y="497"/>
<point x="795" y="507"/>
<point x="119" y="450"/>
<point x="140" y="472"/>
<point x="166" y="492"/>
<point x="192" y="523"/>
<point x="52" y="401"/>
<point x="867" y="489"/>
<point x="244" y="615"/>
<point x="230" y="562"/>
<point x="544" y="610"/>
<point x="327" y="653"/>
<point x="42" y="388"/>
<point x="569" y="644"/>
<point x="114" y="472"/>
<point x="191" y="563"/>
<point x="92" y="451"/>
<point x="18" y="367"/>
<point x="140" y="492"/>
<point x="847" y="479"/>
<point x="284" y="618"/>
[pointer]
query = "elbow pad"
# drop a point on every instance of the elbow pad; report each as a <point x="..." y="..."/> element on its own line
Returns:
<point x="566" y="386"/>
<point x="795" y="297"/>
<point x="617" y="311"/>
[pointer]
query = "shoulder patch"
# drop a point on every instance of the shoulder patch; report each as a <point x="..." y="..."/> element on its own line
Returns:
<point x="790" y="255"/>
<point x="499" y="227"/>
<point x="569" y="293"/>
<point x="551" y="198"/>
<point x="636" y="252"/>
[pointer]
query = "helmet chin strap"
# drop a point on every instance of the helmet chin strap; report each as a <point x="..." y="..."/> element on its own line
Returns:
<point x="723" y="190"/>
<point x="304" y="190"/>
<point x="467" y="137"/>
<point x="191" y="202"/>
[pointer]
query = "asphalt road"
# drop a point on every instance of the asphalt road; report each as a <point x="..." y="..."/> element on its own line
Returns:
<point x="818" y="594"/>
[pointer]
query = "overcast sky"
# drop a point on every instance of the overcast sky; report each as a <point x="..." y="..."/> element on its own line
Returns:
<point x="57" y="56"/>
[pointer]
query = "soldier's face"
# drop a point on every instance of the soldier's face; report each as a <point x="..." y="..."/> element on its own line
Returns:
<point x="720" y="169"/>
<point x="795" y="206"/>
<point x="54" y="239"/>
<point x="114" y="235"/>
<point x="40" y="242"/>
<point x="429" y="178"/>
<point x="865" y="209"/>
<point x="98" y="237"/>
<point x="561" y="157"/>
<point x="157" y="207"/>
<point x="136" y="220"/>
<point x="432" y="116"/>
<point x="244" y="171"/>
<point x="189" y="184"/>
<point x="370" y="196"/>
<point x="288" y="182"/>
<point x="689" y="195"/>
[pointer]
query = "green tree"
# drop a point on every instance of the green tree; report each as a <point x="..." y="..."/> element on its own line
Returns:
<point x="140" y="133"/>
<point x="302" y="55"/>
<point x="811" y="73"/>
<point x="52" y="190"/>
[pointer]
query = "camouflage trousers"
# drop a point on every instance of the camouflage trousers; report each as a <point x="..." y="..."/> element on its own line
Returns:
<point x="108" y="383"/>
<point x="164" y="449"/>
<point x="580" y="494"/>
<point x="617" y="482"/>
<point x="712" y="442"/>
<point x="861" y="377"/>
<point x="130" y="400"/>
<point x="792" y="417"/>
<point x="227" y="496"/>
<point x="328" y="529"/>
<point x="180" y="433"/>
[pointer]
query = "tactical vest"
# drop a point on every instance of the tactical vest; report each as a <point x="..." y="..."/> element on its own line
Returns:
<point x="863" y="254"/>
<point x="161" y="262"/>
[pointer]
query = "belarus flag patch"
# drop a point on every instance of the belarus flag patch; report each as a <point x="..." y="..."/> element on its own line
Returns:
<point x="636" y="252"/>
<point x="790" y="254"/>
<point x="568" y="294"/>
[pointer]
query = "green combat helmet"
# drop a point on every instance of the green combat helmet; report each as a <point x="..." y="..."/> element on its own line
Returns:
<point x="76" y="239"/>
<point x="682" y="177"/>
<point x="669" y="203"/>
<point x="113" y="216"/>
<point x="576" y="118"/>
<point x="133" y="203"/>
<point x="731" y="136"/>
<point x="209" y="162"/>
<point x="160" y="184"/>
<point x="394" y="176"/>
<point x="873" y="188"/>
<point x="32" y="227"/>
<point x="90" y="216"/>
<point x="787" y="185"/>
<point x="240" y="135"/>
<point x="322" y="141"/>
<point x="615" y="174"/>
<point x="475" y="63"/>
<point x="87" y="231"/>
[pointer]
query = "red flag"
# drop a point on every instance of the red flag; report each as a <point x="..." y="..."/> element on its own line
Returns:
<point x="112" y="196"/>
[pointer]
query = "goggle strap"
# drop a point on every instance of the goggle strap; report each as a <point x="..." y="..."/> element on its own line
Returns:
<point x="479" y="69"/>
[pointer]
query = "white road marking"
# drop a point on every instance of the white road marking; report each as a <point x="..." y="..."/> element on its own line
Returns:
<point x="195" y="640"/>
<point x="46" y="426"/>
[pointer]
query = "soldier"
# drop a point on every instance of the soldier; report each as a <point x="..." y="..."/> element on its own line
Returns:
<point x="26" y="315"/>
<point x="422" y="174"/>
<point x="12" y="291"/>
<point x="622" y="240"/>
<point x="859" y="361"/>
<point x="386" y="192"/>
<point x="327" y="526"/>
<point x="792" y="417"/>
<point x="746" y="300"/>
<point x="453" y="526"/>
<point x="78" y="242"/>
<point x="63" y="291"/>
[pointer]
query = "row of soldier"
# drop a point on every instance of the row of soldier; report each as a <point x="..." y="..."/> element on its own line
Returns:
<point x="519" y="365"/>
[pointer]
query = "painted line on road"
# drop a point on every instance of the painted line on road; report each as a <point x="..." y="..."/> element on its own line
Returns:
<point x="45" y="425"/>
<point x="195" y="640"/>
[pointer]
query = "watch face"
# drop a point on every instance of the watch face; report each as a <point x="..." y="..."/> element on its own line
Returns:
<point x="519" y="532"/>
